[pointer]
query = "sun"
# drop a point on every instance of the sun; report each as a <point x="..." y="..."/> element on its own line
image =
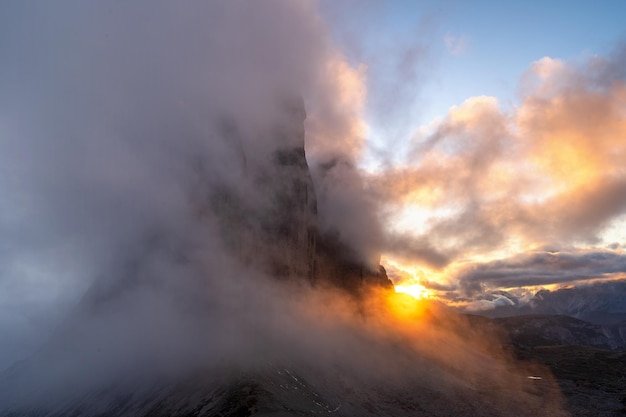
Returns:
<point x="417" y="291"/>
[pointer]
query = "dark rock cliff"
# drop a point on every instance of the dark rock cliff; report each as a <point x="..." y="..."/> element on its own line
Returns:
<point x="336" y="267"/>
<point x="277" y="229"/>
<point x="270" y="222"/>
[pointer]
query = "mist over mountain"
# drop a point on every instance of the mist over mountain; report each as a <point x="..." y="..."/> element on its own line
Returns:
<point x="121" y="123"/>
<point x="186" y="231"/>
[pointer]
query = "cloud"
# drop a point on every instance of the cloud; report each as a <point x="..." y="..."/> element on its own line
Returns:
<point x="396" y="67"/>
<point x="409" y="248"/>
<point x="495" y="181"/>
<point x="453" y="168"/>
<point x="543" y="268"/>
<point x="489" y="304"/>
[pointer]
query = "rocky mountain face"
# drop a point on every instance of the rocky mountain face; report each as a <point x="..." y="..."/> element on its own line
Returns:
<point x="277" y="230"/>
<point x="336" y="267"/>
<point x="269" y="218"/>
<point x="601" y="303"/>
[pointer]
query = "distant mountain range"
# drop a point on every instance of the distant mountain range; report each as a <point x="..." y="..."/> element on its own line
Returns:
<point x="554" y="330"/>
<point x="602" y="303"/>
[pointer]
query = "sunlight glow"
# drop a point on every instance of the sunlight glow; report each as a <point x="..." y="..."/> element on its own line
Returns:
<point x="415" y="290"/>
<point x="406" y="309"/>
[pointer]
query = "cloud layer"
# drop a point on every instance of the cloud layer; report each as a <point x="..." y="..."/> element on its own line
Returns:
<point x="486" y="182"/>
<point x="543" y="268"/>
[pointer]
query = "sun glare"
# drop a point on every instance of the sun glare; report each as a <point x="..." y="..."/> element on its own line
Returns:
<point x="415" y="290"/>
<point x="406" y="309"/>
<point x="407" y="279"/>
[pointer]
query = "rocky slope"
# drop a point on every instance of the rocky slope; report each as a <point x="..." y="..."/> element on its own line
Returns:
<point x="282" y="392"/>
<point x="392" y="381"/>
<point x="591" y="380"/>
<point x="587" y="360"/>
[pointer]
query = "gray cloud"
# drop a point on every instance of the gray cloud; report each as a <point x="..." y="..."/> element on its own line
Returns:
<point x="543" y="268"/>
<point x="407" y="247"/>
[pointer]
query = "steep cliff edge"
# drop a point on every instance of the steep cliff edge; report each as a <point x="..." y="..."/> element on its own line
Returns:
<point x="277" y="230"/>
<point x="336" y="267"/>
<point x="270" y="220"/>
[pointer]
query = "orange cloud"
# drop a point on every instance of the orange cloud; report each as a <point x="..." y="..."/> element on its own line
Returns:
<point x="575" y="135"/>
<point x="546" y="172"/>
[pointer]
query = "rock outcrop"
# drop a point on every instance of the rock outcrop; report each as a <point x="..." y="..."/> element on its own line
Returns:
<point x="270" y="221"/>
<point x="277" y="229"/>
<point x="336" y="267"/>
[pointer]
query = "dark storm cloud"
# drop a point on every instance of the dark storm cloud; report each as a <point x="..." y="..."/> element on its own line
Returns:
<point x="543" y="268"/>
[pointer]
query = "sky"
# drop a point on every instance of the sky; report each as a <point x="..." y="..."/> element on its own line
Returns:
<point x="474" y="147"/>
<point x="495" y="138"/>
<point x="481" y="48"/>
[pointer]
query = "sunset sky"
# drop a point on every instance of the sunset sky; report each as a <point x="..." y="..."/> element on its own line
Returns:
<point x="496" y="136"/>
